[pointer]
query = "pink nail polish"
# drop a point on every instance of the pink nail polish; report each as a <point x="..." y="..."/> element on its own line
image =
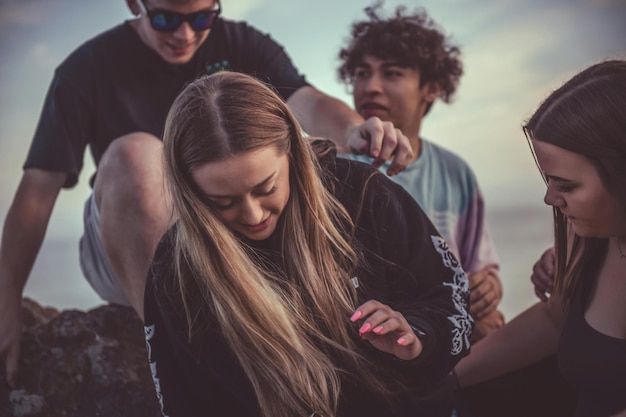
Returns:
<point x="402" y="341"/>
<point x="378" y="329"/>
<point x="365" y="328"/>
<point x="357" y="314"/>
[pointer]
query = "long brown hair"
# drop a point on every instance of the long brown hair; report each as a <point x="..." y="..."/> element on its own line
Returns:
<point x="587" y="115"/>
<point x="288" y="328"/>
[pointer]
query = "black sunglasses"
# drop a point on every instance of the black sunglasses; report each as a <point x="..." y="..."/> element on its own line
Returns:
<point x="167" y="21"/>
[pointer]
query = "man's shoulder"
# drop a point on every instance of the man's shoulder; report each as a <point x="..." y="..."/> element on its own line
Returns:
<point x="92" y="50"/>
<point x="237" y="39"/>
<point x="238" y="29"/>
<point x="445" y="154"/>
<point x="451" y="161"/>
<point x="234" y="24"/>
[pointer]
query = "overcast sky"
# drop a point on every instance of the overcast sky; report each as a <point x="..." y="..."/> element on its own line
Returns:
<point x="515" y="52"/>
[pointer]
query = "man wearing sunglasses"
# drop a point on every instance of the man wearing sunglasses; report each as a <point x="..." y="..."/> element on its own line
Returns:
<point x="112" y="95"/>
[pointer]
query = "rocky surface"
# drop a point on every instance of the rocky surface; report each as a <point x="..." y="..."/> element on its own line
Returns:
<point x="81" y="364"/>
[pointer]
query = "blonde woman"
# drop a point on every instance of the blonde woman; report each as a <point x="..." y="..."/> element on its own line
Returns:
<point x="294" y="283"/>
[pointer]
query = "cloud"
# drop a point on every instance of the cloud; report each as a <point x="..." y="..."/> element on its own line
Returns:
<point x="25" y="12"/>
<point x="604" y="3"/>
<point x="241" y="9"/>
<point x="515" y="53"/>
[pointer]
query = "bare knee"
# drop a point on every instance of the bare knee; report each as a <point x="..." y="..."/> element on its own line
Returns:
<point x="133" y="162"/>
<point x="132" y="154"/>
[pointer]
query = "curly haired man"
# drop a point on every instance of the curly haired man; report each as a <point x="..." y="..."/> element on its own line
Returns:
<point x="397" y="68"/>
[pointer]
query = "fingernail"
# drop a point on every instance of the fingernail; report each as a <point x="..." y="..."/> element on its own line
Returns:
<point x="365" y="328"/>
<point x="357" y="314"/>
<point x="378" y="329"/>
<point x="402" y="341"/>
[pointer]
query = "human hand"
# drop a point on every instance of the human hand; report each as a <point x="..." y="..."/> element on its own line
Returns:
<point x="485" y="293"/>
<point x="543" y="275"/>
<point x="387" y="330"/>
<point x="487" y="325"/>
<point x="10" y="334"/>
<point x="382" y="141"/>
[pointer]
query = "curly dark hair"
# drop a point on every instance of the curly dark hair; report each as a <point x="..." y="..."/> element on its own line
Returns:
<point x="413" y="40"/>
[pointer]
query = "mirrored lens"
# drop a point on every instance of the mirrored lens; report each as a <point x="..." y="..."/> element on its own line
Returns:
<point x="166" y="21"/>
<point x="169" y="21"/>
<point x="202" y="20"/>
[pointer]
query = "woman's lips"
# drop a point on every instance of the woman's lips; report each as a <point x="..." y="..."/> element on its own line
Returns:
<point x="259" y="227"/>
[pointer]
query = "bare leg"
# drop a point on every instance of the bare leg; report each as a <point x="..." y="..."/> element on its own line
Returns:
<point x="135" y="209"/>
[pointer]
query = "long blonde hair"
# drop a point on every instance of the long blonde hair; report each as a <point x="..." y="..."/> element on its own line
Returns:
<point x="285" y="327"/>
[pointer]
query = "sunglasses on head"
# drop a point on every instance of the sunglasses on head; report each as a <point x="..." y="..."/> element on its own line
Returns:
<point x="167" y="21"/>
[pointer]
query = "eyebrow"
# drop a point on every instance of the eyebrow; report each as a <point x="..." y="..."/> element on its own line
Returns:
<point x="262" y="183"/>
<point x="386" y="64"/>
<point x="554" y="177"/>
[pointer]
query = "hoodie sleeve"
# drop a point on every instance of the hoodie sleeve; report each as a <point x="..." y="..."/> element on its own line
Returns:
<point x="409" y="267"/>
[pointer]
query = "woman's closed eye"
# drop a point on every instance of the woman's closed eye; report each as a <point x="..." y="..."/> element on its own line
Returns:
<point x="221" y="204"/>
<point x="565" y="188"/>
<point x="561" y="185"/>
<point x="263" y="193"/>
<point x="225" y="203"/>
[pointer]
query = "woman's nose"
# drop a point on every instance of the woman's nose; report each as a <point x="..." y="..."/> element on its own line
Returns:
<point x="252" y="212"/>
<point x="553" y="198"/>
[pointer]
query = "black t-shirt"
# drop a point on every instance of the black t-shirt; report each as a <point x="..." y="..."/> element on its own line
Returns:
<point x="114" y="84"/>
<point x="593" y="363"/>
<point x="409" y="268"/>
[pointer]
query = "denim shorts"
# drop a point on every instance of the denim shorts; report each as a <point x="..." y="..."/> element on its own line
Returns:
<point x="93" y="261"/>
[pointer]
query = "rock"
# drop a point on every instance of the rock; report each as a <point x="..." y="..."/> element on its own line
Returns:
<point x="81" y="364"/>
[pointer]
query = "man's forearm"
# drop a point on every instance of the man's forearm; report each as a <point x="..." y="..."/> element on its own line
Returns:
<point x="323" y="116"/>
<point x="25" y="226"/>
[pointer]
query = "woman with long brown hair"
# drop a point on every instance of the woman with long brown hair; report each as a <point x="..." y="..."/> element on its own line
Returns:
<point x="578" y="138"/>
<point x="293" y="283"/>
